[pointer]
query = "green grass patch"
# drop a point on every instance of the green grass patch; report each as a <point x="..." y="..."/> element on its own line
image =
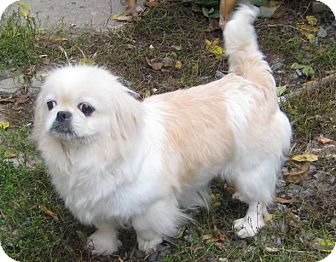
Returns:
<point x="17" y="42"/>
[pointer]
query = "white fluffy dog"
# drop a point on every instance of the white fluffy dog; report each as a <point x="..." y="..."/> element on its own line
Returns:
<point x="114" y="159"/>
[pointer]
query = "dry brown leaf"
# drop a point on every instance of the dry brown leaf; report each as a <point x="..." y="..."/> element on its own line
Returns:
<point x="297" y="175"/>
<point x="154" y="64"/>
<point x="230" y="189"/>
<point x="218" y="237"/>
<point x="324" y="140"/>
<point x="48" y="212"/>
<point x="282" y="200"/>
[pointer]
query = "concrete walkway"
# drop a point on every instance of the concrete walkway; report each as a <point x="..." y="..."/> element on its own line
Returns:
<point x="92" y="14"/>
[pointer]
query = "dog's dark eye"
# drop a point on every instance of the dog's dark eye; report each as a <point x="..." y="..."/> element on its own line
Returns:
<point x="51" y="104"/>
<point x="86" y="108"/>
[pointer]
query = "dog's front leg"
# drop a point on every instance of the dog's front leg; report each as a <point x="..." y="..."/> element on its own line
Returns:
<point x="161" y="219"/>
<point x="104" y="241"/>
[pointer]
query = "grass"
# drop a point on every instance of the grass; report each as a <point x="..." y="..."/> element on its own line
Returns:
<point x="17" y="42"/>
<point x="34" y="224"/>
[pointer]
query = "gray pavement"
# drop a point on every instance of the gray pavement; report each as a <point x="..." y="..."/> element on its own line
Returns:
<point x="91" y="14"/>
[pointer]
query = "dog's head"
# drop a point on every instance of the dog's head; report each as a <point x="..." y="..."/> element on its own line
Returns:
<point x="84" y="103"/>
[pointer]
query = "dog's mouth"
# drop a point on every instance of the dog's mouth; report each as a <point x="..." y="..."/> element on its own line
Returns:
<point x="63" y="130"/>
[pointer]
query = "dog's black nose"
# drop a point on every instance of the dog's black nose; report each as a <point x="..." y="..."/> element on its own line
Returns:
<point x="63" y="116"/>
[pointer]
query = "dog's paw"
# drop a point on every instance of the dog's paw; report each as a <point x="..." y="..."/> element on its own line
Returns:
<point x="248" y="226"/>
<point x="103" y="243"/>
<point x="149" y="245"/>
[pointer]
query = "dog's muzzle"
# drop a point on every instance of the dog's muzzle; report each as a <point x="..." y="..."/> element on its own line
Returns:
<point x="63" y="124"/>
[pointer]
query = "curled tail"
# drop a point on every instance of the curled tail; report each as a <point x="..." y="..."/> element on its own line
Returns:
<point x="241" y="45"/>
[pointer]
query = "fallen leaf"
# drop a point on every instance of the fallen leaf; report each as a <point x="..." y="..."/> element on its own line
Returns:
<point x="178" y="65"/>
<point x="281" y="90"/>
<point x="25" y="5"/>
<point x="272" y="249"/>
<point x="311" y="20"/>
<point x="24" y="13"/>
<point x="282" y="200"/>
<point x="58" y="39"/>
<point x="123" y="17"/>
<point x="324" y="140"/>
<point x="217" y="237"/>
<point x="305" y="157"/>
<point x="268" y="217"/>
<point x="325" y="245"/>
<point x="297" y="175"/>
<point x="213" y="47"/>
<point x="154" y="64"/>
<point x="310" y="37"/>
<point x="48" y="212"/>
<point x="145" y="93"/>
<point x="308" y="28"/>
<point x="4" y="124"/>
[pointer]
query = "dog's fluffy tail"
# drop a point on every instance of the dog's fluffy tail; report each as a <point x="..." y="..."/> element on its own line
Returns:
<point x="241" y="45"/>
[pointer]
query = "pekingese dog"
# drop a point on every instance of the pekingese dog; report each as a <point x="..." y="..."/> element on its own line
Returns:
<point x="115" y="160"/>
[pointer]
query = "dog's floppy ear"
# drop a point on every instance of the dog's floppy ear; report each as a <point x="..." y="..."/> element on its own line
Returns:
<point x="133" y="94"/>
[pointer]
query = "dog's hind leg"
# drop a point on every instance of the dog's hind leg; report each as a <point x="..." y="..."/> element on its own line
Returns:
<point x="255" y="186"/>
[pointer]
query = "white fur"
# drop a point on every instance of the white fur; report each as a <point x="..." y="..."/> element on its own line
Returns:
<point x="141" y="162"/>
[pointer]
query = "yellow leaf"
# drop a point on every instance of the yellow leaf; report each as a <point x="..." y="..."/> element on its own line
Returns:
<point x="308" y="28"/>
<point x="310" y="37"/>
<point x="25" y="5"/>
<point x="311" y="20"/>
<point x="4" y="124"/>
<point x="325" y="245"/>
<point x="24" y="13"/>
<point x="178" y="65"/>
<point x="122" y="17"/>
<point x="282" y="200"/>
<point x="207" y="42"/>
<point x="214" y="47"/>
<point x="217" y="51"/>
<point x="268" y="217"/>
<point x="297" y="175"/>
<point x="305" y="157"/>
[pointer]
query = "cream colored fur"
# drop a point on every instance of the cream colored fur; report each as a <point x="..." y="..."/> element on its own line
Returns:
<point x="142" y="162"/>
